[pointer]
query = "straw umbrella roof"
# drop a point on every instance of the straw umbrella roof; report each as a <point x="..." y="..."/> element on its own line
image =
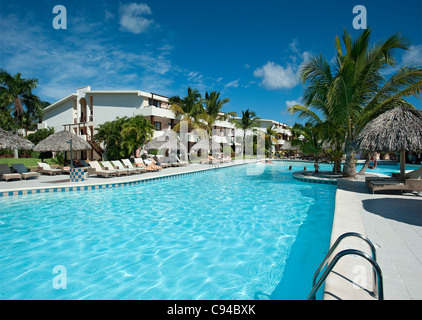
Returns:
<point x="399" y="129"/>
<point x="9" y="140"/>
<point x="204" y="144"/>
<point x="165" y="142"/>
<point x="58" y="142"/>
<point x="287" y="146"/>
<point x="155" y="143"/>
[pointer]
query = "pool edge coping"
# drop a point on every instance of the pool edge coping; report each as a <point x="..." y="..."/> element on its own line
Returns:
<point x="106" y="185"/>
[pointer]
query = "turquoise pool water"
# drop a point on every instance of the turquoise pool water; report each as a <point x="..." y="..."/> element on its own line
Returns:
<point x="221" y="234"/>
<point x="382" y="168"/>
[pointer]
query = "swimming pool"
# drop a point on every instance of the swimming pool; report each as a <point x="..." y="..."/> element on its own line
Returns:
<point x="382" y="168"/>
<point x="220" y="234"/>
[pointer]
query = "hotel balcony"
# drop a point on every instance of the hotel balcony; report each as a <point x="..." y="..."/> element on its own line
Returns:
<point x="83" y="119"/>
<point x="155" y="112"/>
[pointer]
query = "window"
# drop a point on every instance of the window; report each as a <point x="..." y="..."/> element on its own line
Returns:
<point x="155" y="103"/>
<point x="157" y="126"/>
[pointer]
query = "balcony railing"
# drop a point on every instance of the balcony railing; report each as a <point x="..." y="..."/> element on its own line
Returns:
<point x="83" y="119"/>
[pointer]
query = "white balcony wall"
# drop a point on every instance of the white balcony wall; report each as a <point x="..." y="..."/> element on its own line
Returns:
<point x="107" y="107"/>
<point x="58" y="116"/>
<point x="154" y="111"/>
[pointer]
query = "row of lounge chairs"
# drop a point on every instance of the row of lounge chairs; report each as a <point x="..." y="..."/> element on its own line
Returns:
<point x="18" y="171"/>
<point x="103" y="168"/>
<point x="126" y="167"/>
<point x="218" y="160"/>
<point x="412" y="182"/>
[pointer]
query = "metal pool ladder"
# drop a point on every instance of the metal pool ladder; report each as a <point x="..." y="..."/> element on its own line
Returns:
<point x="378" y="282"/>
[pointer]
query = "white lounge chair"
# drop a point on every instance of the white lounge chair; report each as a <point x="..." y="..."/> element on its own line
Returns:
<point x="141" y="164"/>
<point x="100" y="171"/>
<point x="118" y="165"/>
<point x="129" y="165"/>
<point x="45" y="168"/>
<point x="108" y="166"/>
<point x="182" y="163"/>
<point x="150" y="163"/>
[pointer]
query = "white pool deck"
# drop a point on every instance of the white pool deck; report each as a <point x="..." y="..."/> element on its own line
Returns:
<point x="393" y="222"/>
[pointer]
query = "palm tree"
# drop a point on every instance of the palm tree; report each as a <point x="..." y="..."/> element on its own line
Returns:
<point x="16" y="98"/>
<point x="270" y="133"/>
<point x="355" y="91"/>
<point x="212" y="112"/>
<point x="109" y="133"/>
<point x="312" y="142"/>
<point x="135" y="132"/>
<point x="317" y="74"/>
<point x="213" y="104"/>
<point x="17" y="92"/>
<point x="360" y="93"/>
<point x="187" y="109"/>
<point x="248" y="121"/>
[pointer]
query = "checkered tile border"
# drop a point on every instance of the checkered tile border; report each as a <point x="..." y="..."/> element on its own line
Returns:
<point x="103" y="186"/>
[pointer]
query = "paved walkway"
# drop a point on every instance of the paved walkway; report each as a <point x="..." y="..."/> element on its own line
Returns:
<point x="393" y="222"/>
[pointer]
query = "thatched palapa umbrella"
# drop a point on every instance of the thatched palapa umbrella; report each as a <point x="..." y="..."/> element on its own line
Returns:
<point x="287" y="146"/>
<point x="59" y="142"/>
<point x="166" y="142"/>
<point x="155" y="143"/>
<point x="397" y="130"/>
<point x="204" y="144"/>
<point x="9" y="140"/>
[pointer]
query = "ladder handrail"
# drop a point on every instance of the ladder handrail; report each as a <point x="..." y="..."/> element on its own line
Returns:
<point x="336" y="258"/>
<point x="336" y="243"/>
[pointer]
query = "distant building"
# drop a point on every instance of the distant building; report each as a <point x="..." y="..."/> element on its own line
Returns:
<point x="82" y="112"/>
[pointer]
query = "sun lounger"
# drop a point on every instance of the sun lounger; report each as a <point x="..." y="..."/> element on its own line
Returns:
<point x="412" y="174"/>
<point x="100" y="171"/>
<point x="118" y="165"/>
<point x="6" y="173"/>
<point x="45" y="168"/>
<point x="129" y="165"/>
<point x="65" y="169"/>
<point x="25" y="173"/>
<point x="182" y="163"/>
<point x="374" y="178"/>
<point x="171" y="162"/>
<point x="140" y="164"/>
<point x="150" y="164"/>
<point x="159" y="161"/>
<point x="407" y="185"/>
<point x="108" y="166"/>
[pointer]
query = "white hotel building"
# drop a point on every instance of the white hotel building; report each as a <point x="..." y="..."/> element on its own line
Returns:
<point x="82" y="112"/>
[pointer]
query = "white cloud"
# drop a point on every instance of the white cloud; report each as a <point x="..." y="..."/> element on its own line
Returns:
<point x="232" y="84"/>
<point x="275" y="76"/>
<point x="291" y="103"/>
<point x="132" y="17"/>
<point x="72" y="62"/>
<point x="413" y="55"/>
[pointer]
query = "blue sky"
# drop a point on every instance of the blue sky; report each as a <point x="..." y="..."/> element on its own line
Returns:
<point x="250" y="51"/>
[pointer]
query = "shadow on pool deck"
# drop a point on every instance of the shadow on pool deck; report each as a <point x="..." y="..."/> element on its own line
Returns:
<point x="410" y="213"/>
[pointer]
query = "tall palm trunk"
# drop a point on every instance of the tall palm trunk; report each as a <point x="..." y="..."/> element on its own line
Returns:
<point x="366" y="165"/>
<point x="349" y="168"/>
